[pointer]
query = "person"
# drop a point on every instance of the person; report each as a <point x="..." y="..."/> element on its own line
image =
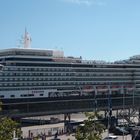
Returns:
<point x="56" y="134"/>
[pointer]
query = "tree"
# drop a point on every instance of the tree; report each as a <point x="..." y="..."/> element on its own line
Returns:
<point x="0" y="109"/>
<point x="7" y="128"/>
<point x="92" y="129"/>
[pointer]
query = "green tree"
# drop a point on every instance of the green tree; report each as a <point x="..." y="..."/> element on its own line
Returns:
<point x="91" y="130"/>
<point x="7" y="127"/>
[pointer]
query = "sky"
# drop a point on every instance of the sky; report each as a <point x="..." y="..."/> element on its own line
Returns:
<point x="94" y="29"/>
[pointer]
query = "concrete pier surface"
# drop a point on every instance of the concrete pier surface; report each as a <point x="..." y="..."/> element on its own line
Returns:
<point x="43" y="129"/>
<point x="72" y="137"/>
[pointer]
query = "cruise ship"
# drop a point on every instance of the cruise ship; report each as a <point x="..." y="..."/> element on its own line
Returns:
<point x="35" y="74"/>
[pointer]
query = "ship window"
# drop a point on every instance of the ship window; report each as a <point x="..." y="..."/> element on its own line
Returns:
<point x="1" y="96"/>
<point x="41" y="94"/>
<point x="5" y="68"/>
<point x="24" y="95"/>
<point x="30" y="94"/>
<point x="12" y="96"/>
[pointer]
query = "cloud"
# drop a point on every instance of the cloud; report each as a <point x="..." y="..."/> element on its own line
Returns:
<point x="86" y="2"/>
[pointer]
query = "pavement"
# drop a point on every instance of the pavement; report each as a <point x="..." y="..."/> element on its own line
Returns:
<point x="64" y="137"/>
<point x="76" y="117"/>
<point x="105" y="134"/>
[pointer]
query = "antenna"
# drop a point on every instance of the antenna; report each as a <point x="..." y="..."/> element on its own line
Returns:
<point x="27" y="40"/>
<point x="20" y="42"/>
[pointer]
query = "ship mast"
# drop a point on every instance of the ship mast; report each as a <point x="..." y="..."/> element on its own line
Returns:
<point x="27" y="40"/>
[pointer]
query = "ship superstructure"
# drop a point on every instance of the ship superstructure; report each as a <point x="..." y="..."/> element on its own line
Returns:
<point x="35" y="73"/>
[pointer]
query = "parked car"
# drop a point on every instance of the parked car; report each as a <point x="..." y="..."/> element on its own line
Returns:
<point x="15" y="139"/>
<point x="56" y="139"/>
<point x="129" y="129"/>
<point x="111" y="138"/>
<point x="120" y="131"/>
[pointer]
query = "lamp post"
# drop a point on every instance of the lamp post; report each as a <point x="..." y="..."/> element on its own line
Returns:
<point x="109" y="107"/>
<point x="95" y="100"/>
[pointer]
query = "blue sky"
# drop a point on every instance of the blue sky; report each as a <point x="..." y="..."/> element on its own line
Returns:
<point x="94" y="29"/>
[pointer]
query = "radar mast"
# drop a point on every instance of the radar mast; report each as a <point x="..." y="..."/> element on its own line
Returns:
<point x="27" y="40"/>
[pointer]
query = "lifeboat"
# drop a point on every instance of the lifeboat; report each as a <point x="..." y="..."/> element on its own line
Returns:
<point x="88" y="88"/>
<point x="102" y="88"/>
<point x="129" y="87"/>
<point x="115" y="88"/>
